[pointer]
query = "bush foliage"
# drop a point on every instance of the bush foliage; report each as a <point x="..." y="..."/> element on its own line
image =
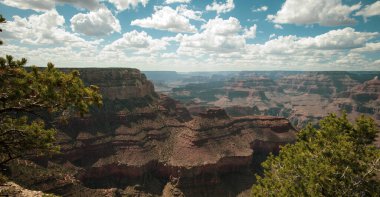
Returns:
<point x="336" y="159"/>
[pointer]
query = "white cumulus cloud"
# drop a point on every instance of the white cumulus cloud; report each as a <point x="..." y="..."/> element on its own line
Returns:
<point x="166" y="18"/>
<point x="250" y="32"/>
<point x="321" y="50"/>
<point x="260" y="9"/>
<point x="95" y="23"/>
<point x="334" y="40"/>
<point x="369" y="47"/>
<point x="346" y="38"/>
<point x="128" y="4"/>
<point x="277" y="26"/>
<point x="45" y="29"/>
<point x="46" y="5"/>
<point x="37" y="5"/>
<point x="188" y="13"/>
<point x="217" y="36"/>
<point x="136" y="42"/>
<point x="322" y="12"/>
<point x="221" y="7"/>
<point x="177" y="1"/>
<point x="88" y="4"/>
<point x="369" y="10"/>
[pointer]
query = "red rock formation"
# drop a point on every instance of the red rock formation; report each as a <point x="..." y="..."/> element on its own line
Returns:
<point x="162" y="140"/>
<point x="204" y="146"/>
<point x="372" y="86"/>
<point x="119" y="83"/>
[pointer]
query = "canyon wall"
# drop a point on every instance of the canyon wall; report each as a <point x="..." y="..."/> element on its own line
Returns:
<point x="141" y="143"/>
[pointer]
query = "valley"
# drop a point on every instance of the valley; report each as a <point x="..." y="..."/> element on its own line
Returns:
<point x="301" y="97"/>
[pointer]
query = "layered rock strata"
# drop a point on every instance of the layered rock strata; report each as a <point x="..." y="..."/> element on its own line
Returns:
<point x="142" y="144"/>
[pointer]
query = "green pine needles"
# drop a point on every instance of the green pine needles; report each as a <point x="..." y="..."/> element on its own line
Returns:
<point x="337" y="159"/>
<point x="31" y="100"/>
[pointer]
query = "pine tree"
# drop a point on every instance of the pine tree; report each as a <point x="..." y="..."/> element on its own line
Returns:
<point x="337" y="159"/>
<point x="31" y="96"/>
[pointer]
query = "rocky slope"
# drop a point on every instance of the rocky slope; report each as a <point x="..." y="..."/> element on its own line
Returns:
<point x="144" y="144"/>
<point x="12" y="189"/>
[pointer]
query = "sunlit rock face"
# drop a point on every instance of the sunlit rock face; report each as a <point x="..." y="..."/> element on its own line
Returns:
<point x="119" y="83"/>
<point x="142" y="142"/>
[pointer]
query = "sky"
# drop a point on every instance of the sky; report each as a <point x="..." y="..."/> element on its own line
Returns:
<point x="195" y="35"/>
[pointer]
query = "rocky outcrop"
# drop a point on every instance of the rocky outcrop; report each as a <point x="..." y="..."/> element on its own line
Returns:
<point x="174" y="146"/>
<point x="200" y="150"/>
<point x="365" y="98"/>
<point x="118" y="83"/>
<point x="12" y="189"/>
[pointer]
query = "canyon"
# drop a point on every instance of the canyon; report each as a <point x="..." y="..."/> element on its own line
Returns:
<point x="301" y="97"/>
<point x="144" y="143"/>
